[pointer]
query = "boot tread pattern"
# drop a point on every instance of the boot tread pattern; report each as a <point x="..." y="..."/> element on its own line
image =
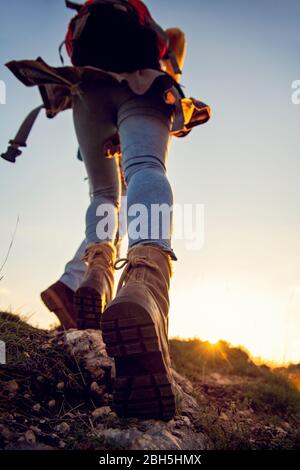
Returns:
<point x="142" y="385"/>
<point x="126" y="337"/>
<point x="146" y="396"/>
<point x="88" y="304"/>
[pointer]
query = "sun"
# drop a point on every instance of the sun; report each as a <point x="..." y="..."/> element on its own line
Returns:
<point x="243" y="317"/>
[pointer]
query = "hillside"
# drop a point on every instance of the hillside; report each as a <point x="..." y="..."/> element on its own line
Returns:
<point x="55" y="392"/>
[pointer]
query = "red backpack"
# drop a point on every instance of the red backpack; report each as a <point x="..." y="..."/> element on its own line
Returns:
<point x="116" y="35"/>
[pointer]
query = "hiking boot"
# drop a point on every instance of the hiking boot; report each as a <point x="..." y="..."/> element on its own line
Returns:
<point x="96" y="289"/>
<point x="135" y="331"/>
<point x="59" y="299"/>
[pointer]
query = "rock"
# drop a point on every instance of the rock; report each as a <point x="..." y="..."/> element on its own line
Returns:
<point x="60" y="386"/>
<point x="36" y="429"/>
<point x="62" y="428"/>
<point x="88" y="345"/>
<point x="220" y="379"/>
<point x="179" y="434"/>
<point x="281" y="431"/>
<point x="156" y="437"/>
<point x="187" y="404"/>
<point x="5" y="432"/>
<point x="184" y="383"/>
<point x="286" y="425"/>
<point x="12" y="387"/>
<point x="97" y="389"/>
<point x="102" y="412"/>
<point x="186" y="421"/>
<point x="30" y="437"/>
<point x="245" y="413"/>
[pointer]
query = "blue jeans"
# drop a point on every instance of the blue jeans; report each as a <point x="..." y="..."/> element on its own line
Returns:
<point x="143" y="123"/>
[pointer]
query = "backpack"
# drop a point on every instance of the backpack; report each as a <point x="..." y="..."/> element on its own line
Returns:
<point x="79" y="43"/>
<point x="116" y="35"/>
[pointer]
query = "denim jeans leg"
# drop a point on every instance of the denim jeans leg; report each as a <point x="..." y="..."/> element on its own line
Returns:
<point x="144" y="133"/>
<point x="75" y="269"/>
<point x="94" y="125"/>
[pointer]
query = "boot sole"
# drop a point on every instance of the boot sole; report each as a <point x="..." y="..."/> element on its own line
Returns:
<point x="143" y="384"/>
<point x="53" y="303"/>
<point x="88" y="303"/>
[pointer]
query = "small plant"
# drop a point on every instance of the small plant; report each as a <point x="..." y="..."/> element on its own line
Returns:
<point x="274" y="394"/>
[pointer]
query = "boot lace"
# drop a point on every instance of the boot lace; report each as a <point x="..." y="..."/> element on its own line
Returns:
<point x="131" y="262"/>
<point x="99" y="255"/>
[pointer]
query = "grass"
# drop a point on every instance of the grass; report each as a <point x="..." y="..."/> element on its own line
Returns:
<point x="271" y="392"/>
<point x="274" y="394"/>
<point x="195" y="358"/>
<point x="32" y="356"/>
<point x="266" y="397"/>
<point x="37" y="362"/>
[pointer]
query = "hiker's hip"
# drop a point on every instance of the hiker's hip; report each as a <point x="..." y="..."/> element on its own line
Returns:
<point x="142" y="121"/>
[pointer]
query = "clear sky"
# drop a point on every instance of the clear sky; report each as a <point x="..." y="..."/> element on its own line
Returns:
<point x="243" y="166"/>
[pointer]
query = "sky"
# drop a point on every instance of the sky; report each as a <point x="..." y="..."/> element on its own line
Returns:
<point x="243" y="167"/>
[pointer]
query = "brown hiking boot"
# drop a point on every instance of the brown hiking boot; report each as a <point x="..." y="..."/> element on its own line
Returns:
<point x="135" y="331"/>
<point x="59" y="299"/>
<point x="96" y="289"/>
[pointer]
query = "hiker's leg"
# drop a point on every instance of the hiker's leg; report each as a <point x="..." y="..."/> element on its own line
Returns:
<point x="75" y="269"/>
<point x="144" y="128"/>
<point x="143" y="383"/>
<point x="93" y="114"/>
<point x="93" y="120"/>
